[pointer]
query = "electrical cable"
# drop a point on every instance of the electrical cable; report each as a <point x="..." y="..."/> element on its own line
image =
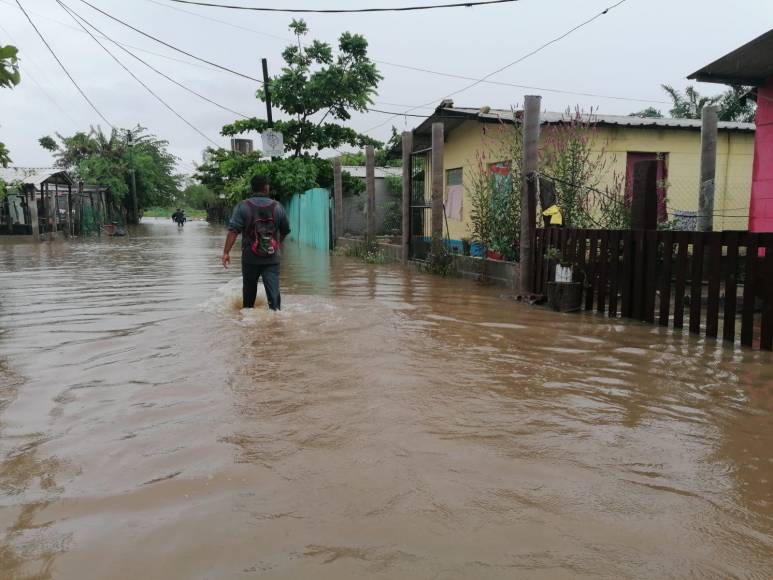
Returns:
<point x="346" y="10"/>
<point x="136" y="78"/>
<point x="500" y="69"/>
<point x="145" y="34"/>
<point x="43" y="90"/>
<point x="61" y="64"/>
<point x="78" y="30"/>
<point x="151" y="67"/>
<point x="420" y="69"/>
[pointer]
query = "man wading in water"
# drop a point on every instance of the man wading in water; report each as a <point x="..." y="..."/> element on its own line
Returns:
<point x="263" y="224"/>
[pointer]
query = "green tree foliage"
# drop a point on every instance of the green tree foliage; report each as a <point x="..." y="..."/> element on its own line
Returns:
<point x="732" y="105"/>
<point x="9" y="67"/>
<point x="9" y="78"/>
<point x="384" y="156"/>
<point x="648" y="113"/>
<point x="315" y="89"/>
<point x="230" y="173"/>
<point x="197" y="196"/>
<point x="107" y="160"/>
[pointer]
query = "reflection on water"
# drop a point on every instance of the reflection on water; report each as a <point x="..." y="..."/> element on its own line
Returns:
<point x="385" y="424"/>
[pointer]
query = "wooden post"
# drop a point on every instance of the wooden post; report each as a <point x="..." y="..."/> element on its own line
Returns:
<point x="406" y="237"/>
<point x="32" y="204"/>
<point x="338" y="195"/>
<point x="438" y="141"/>
<point x="68" y="210"/>
<point x="531" y="124"/>
<point x="708" y="168"/>
<point x="370" y="183"/>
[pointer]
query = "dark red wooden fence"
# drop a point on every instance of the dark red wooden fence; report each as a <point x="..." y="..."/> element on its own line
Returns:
<point x="709" y="279"/>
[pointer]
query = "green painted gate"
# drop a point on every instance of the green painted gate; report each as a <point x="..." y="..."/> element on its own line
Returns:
<point x="309" y="215"/>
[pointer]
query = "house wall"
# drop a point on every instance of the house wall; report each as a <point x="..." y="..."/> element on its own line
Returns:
<point x="762" y="204"/>
<point x="735" y="152"/>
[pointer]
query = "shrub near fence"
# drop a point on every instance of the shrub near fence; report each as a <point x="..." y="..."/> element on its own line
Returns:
<point x="664" y="277"/>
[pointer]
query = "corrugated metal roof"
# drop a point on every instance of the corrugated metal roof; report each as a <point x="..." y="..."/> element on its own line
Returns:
<point x="613" y="120"/>
<point x="750" y="64"/>
<point x="34" y="175"/>
<point x="381" y="172"/>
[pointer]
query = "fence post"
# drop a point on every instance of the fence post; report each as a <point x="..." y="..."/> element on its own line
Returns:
<point x="708" y="168"/>
<point x="406" y="237"/>
<point x="32" y="204"/>
<point x="338" y="204"/>
<point x="438" y="137"/>
<point x="370" y="182"/>
<point x="531" y="123"/>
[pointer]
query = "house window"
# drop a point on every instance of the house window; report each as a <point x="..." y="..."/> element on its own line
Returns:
<point x="659" y="164"/>
<point x="454" y="193"/>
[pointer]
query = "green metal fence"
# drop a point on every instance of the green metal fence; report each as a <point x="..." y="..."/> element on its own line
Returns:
<point x="309" y="215"/>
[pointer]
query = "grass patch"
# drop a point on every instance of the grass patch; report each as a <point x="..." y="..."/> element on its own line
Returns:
<point x="369" y="253"/>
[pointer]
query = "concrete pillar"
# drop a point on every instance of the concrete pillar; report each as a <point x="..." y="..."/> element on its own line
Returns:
<point x="531" y="126"/>
<point x="370" y="183"/>
<point x="406" y="238"/>
<point x="338" y="201"/>
<point x="708" y="168"/>
<point x="438" y="141"/>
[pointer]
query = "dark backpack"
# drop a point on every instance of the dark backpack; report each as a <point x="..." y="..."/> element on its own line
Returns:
<point x="262" y="229"/>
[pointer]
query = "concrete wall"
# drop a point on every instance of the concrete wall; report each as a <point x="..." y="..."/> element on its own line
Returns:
<point x="356" y="209"/>
<point x="734" y="164"/>
<point x="504" y="274"/>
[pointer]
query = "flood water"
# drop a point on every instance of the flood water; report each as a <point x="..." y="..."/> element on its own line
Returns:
<point x="386" y="424"/>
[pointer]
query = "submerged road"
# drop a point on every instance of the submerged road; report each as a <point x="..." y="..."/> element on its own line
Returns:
<point x="385" y="425"/>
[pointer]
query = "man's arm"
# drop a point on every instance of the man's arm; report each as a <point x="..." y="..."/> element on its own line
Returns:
<point x="235" y="227"/>
<point x="284" y="225"/>
<point x="230" y="240"/>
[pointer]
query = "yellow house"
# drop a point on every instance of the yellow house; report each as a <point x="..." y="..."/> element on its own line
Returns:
<point x="474" y="138"/>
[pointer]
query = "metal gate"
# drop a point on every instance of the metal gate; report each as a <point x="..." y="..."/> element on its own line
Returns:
<point x="421" y="206"/>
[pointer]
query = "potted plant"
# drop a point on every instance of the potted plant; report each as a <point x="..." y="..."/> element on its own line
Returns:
<point x="564" y="294"/>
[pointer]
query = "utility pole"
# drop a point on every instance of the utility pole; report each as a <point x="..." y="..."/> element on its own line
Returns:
<point x="438" y="141"/>
<point x="135" y="208"/>
<point x="370" y="184"/>
<point x="531" y="123"/>
<point x="338" y="195"/>
<point x="267" y="92"/>
<point x="708" y="168"/>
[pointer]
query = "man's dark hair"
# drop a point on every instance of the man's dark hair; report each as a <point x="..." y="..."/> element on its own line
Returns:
<point x="258" y="183"/>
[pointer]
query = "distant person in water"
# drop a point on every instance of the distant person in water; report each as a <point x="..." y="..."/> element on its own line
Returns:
<point x="262" y="222"/>
<point x="179" y="217"/>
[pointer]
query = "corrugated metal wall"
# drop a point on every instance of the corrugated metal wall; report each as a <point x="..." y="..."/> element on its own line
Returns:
<point x="309" y="215"/>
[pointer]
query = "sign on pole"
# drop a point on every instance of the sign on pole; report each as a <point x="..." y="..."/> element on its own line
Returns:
<point x="273" y="143"/>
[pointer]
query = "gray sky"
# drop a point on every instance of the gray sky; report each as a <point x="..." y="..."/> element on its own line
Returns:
<point x="628" y="53"/>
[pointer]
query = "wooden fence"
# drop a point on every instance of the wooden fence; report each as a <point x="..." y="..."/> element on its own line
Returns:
<point x="665" y="277"/>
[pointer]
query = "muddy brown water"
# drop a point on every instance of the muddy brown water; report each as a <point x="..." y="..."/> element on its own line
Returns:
<point x="386" y="424"/>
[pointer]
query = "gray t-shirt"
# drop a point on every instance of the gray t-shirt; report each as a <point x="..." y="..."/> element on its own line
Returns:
<point x="240" y="222"/>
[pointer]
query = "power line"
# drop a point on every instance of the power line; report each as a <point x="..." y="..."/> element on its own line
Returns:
<point x="135" y="77"/>
<point x="61" y="64"/>
<point x="126" y="24"/>
<point x="225" y="22"/>
<point x="506" y="84"/>
<point x="34" y="80"/>
<point x="151" y="67"/>
<point x="423" y="70"/>
<point x="513" y="63"/>
<point x="345" y="10"/>
<point x="76" y="29"/>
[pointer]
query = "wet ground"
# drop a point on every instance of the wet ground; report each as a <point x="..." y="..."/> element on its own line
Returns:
<point x="385" y="425"/>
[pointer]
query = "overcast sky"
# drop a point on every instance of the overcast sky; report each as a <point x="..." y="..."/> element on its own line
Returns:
<point x="628" y="52"/>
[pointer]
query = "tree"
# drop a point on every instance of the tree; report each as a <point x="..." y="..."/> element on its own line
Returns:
<point x="197" y="196"/>
<point x="648" y="113"/>
<point x="9" y="78"/>
<point x="315" y="84"/>
<point x="732" y="104"/>
<point x="107" y="160"/>
<point x="383" y="155"/>
<point x="578" y="169"/>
